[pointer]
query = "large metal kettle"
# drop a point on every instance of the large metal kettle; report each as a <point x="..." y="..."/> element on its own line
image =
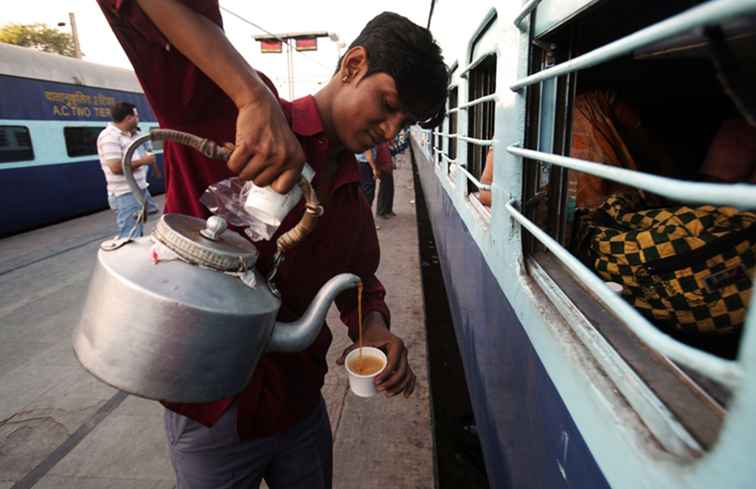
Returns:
<point x="193" y="327"/>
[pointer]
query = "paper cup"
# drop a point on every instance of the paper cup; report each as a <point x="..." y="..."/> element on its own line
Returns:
<point x="362" y="385"/>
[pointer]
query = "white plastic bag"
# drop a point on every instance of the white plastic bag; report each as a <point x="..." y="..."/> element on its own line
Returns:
<point x="259" y="210"/>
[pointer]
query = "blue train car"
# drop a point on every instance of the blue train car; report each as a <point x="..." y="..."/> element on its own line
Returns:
<point x="52" y="109"/>
<point x="571" y="386"/>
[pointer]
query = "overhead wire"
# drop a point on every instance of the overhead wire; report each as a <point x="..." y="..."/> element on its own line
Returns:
<point x="256" y="26"/>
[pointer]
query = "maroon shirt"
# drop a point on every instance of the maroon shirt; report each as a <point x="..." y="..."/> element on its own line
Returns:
<point x="384" y="162"/>
<point x="285" y="387"/>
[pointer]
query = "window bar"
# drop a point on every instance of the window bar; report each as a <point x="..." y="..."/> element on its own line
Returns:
<point x="453" y="120"/>
<point x="437" y="156"/>
<point x="473" y="64"/>
<point x="479" y="100"/>
<point x="470" y="176"/>
<point x="708" y="13"/>
<point x="727" y="372"/>
<point x="739" y="195"/>
<point x="526" y="10"/>
<point x="448" y="159"/>
<point x="479" y="142"/>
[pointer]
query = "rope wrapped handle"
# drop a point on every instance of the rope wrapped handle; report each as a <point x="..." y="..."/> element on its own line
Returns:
<point x="215" y="151"/>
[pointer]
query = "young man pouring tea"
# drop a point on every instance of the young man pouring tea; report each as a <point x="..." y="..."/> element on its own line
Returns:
<point x="392" y="75"/>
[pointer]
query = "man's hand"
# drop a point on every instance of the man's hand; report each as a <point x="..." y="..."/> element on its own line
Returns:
<point x="266" y="150"/>
<point x="397" y="377"/>
<point x="155" y="168"/>
<point x="117" y="168"/>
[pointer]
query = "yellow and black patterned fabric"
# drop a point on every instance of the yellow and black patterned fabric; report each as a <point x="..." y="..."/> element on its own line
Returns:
<point x="689" y="268"/>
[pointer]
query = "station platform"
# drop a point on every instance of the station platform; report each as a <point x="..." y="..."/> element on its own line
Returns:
<point x="61" y="428"/>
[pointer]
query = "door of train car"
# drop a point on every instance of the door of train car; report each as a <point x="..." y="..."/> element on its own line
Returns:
<point x="602" y="297"/>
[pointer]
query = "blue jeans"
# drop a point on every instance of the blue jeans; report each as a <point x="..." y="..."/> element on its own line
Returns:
<point x="127" y="208"/>
<point x="216" y="458"/>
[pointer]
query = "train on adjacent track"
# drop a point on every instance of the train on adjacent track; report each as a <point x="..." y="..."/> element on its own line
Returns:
<point x="52" y="108"/>
<point x="571" y="385"/>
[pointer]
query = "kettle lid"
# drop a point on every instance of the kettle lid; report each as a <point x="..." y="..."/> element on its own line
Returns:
<point x="206" y="243"/>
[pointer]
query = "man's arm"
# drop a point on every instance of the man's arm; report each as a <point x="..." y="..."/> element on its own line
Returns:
<point x="371" y="161"/>
<point x="155" y="168"/>
<point x="266" y="150"/>
<point x="487" y="179"/>
<point x="116" y="167"/>
<point x="110" y="151"/>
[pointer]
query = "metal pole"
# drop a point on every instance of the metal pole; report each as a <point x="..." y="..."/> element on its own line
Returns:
<point x="290" y="60"/>
<point x="75" y="35"/>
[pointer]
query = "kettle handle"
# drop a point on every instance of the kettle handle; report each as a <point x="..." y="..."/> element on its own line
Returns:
<point x="215" y="151"/>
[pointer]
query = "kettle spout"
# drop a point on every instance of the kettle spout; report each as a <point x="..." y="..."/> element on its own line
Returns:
<point x="299" y="335"/>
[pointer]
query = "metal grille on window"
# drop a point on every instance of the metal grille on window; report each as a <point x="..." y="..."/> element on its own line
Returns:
<point x="453" y="115"/>
<point x="639" y="119"/>
<point x="480" y="122"/>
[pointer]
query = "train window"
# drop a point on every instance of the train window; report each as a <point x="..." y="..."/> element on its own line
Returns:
<point x="15" y="144"/>
<point x="480" y="118"/>
<point x="81" y="141"/>
<point x="452" y="148"/>
<point x="660" y="111"/>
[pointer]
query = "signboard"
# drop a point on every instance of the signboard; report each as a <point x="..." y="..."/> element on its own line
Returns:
<point x="22" y="98"/>
<point x="307" y="44"/>
<point x="270" y="46"/>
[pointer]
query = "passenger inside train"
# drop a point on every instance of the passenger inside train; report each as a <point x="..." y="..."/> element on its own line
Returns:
<point x="487" y="179"/>
<point x="672" y="111"/>
<point x="732" y="154"/>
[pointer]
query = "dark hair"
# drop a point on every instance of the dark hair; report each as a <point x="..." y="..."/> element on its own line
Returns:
<point x="407" y="52"/>
<point x="121" y="110"/>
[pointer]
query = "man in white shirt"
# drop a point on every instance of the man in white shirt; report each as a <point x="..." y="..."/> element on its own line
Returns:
<point x="111" y="146"/>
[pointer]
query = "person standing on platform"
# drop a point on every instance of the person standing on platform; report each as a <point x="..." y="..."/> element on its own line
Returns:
<point x="391" y="76"/>
<point x="366" y="162"/>
<point x="399" y="147"/>
<point x="385" y="163"/>
<point x="111" y="146"/>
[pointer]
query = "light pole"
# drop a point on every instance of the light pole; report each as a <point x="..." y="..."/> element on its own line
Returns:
<point x="290" y="62"/>
<point x="74" y="33"/>
<point x="292" y="41"/>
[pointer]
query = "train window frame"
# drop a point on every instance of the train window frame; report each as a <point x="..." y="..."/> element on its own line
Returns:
<point x="23" y="154"/>
<point x="453" y="117"/>
<point x="694" y="407"/>
<point x="481" y="117"/>
<point x="73" y="148"/>
<point x="480" y="93"/>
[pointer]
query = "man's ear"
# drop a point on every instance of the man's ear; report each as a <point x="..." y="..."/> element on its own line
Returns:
<point x="353" y="65"/>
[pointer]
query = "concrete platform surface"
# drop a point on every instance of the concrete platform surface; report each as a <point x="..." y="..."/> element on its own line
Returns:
<point x="60" y="428"/>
